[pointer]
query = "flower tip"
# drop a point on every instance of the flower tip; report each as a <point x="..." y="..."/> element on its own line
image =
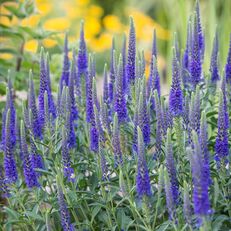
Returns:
<point x="82" y="24"/>
<point x="105" y="67"/>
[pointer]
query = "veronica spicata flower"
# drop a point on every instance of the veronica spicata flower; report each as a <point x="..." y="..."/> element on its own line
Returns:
<point x="131" y="53"/>
<point x="143" y="186"/>
<point x="176" y="94"/>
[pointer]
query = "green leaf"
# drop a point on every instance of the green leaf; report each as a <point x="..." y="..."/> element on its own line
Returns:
<point x="164" y="226"/>
<point x="33" y="215"/>
<point x="10" y="33"/>
<point x="8" y="50"/>
<point x="16" y="11"/>
<point x="123" y="219"/>
<point x="36" y="34"/>
<point x="12" y="213"/>
<point x="95" y="211"/>
<point x="45" y="172"/>
<point x="219" y="221"/>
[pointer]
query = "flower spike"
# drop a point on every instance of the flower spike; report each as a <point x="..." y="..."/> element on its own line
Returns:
<point x="214" y="69"/>
<point x="143" y="186"/>
<point x="29" y="173"/>
<point x="131" y="53"/>
<point x="176" y="94"/>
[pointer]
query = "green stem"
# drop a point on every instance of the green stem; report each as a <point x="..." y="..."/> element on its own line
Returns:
<point x="179" y="137"/>
<point x="156" y="212"/>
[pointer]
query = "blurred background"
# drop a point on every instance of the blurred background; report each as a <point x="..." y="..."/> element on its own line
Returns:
<point x="26" y="25"/>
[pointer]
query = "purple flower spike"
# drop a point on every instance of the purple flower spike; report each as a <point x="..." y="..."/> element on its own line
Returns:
<point x="143" y="114"/>
<point x="9" y="105"/>
<point x="214" y="69"/>
<point x="176" y="94"/>
<point x="195" y="114"/>
<point x="94" y="137"/>
<point x="74" y="111"/>
<point x="222" y="142"/>
<point x="77" y="77"/>
<point x="9" y="160"/>
<point x="35" y="122"/>
<point x="112" y="70"/>
<point x="169" y="196"/>
<point x="186" y="111"/>
<point x="170" y="163"/>
<point x="116" y="142"/>
<point x="159" y="124"/>
<point x="200" y="34"/>
<point x="119" y="100"/>
<point x="200" y="183"/>
<point x="99" y="125"/>
<point x="89" y="94"/>
<point x="152" y="66"/>
<point x="204" y="145"/>
<point x="51" y="104"/>
<point x="153" y="82"/>
<point x="64" y="213"/>
<point x="82" y="61"/>
<point x="124" y="62"/>
<point x="135" y="121"/>
<point x="186" y="56"/>
<point x="42" y="87"/>
<point x="131" y="53"/>
<point x="29" y="173"/>
<point x="105" y="86"/>
<point x="95" y="97"/>
<point x="69" y="121"/>
<point x="36" y="158"/>
<point x="164" y="117"/>
<point x="143" y="186"/>
<point x="103" y="164"/>
<point x="224" y="90"/>
<point x="104" y="115"/>
<point x="228" y="65"/>
<point x="67" y="169"/>
<point x="66" y="65"/>
<point x="195" y="68"/>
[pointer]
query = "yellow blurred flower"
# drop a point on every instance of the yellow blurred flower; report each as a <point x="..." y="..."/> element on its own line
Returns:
<point x="72" y="11"/>
<point x="92" y="27"/>
<point x="112" y="23"/>
<point x="102" y="43"/>
<point x="145" y="25"/>
<point x="31" y="45"/>
<point x="48" y="43"/>
<point x="58" y="24"/>
<point x="6" y="56"/>
<point x="7" y="22"/>
<point x="44" y="7"/>
<point x="95" y="11"/>
<point x="82" y="2"/>
<point x="32" y="21"/>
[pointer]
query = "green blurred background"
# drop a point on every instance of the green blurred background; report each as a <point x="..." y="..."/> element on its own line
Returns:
<point x="25" y="26"/>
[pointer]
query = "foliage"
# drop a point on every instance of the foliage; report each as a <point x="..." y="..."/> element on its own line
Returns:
<point x="123" y="161"/>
